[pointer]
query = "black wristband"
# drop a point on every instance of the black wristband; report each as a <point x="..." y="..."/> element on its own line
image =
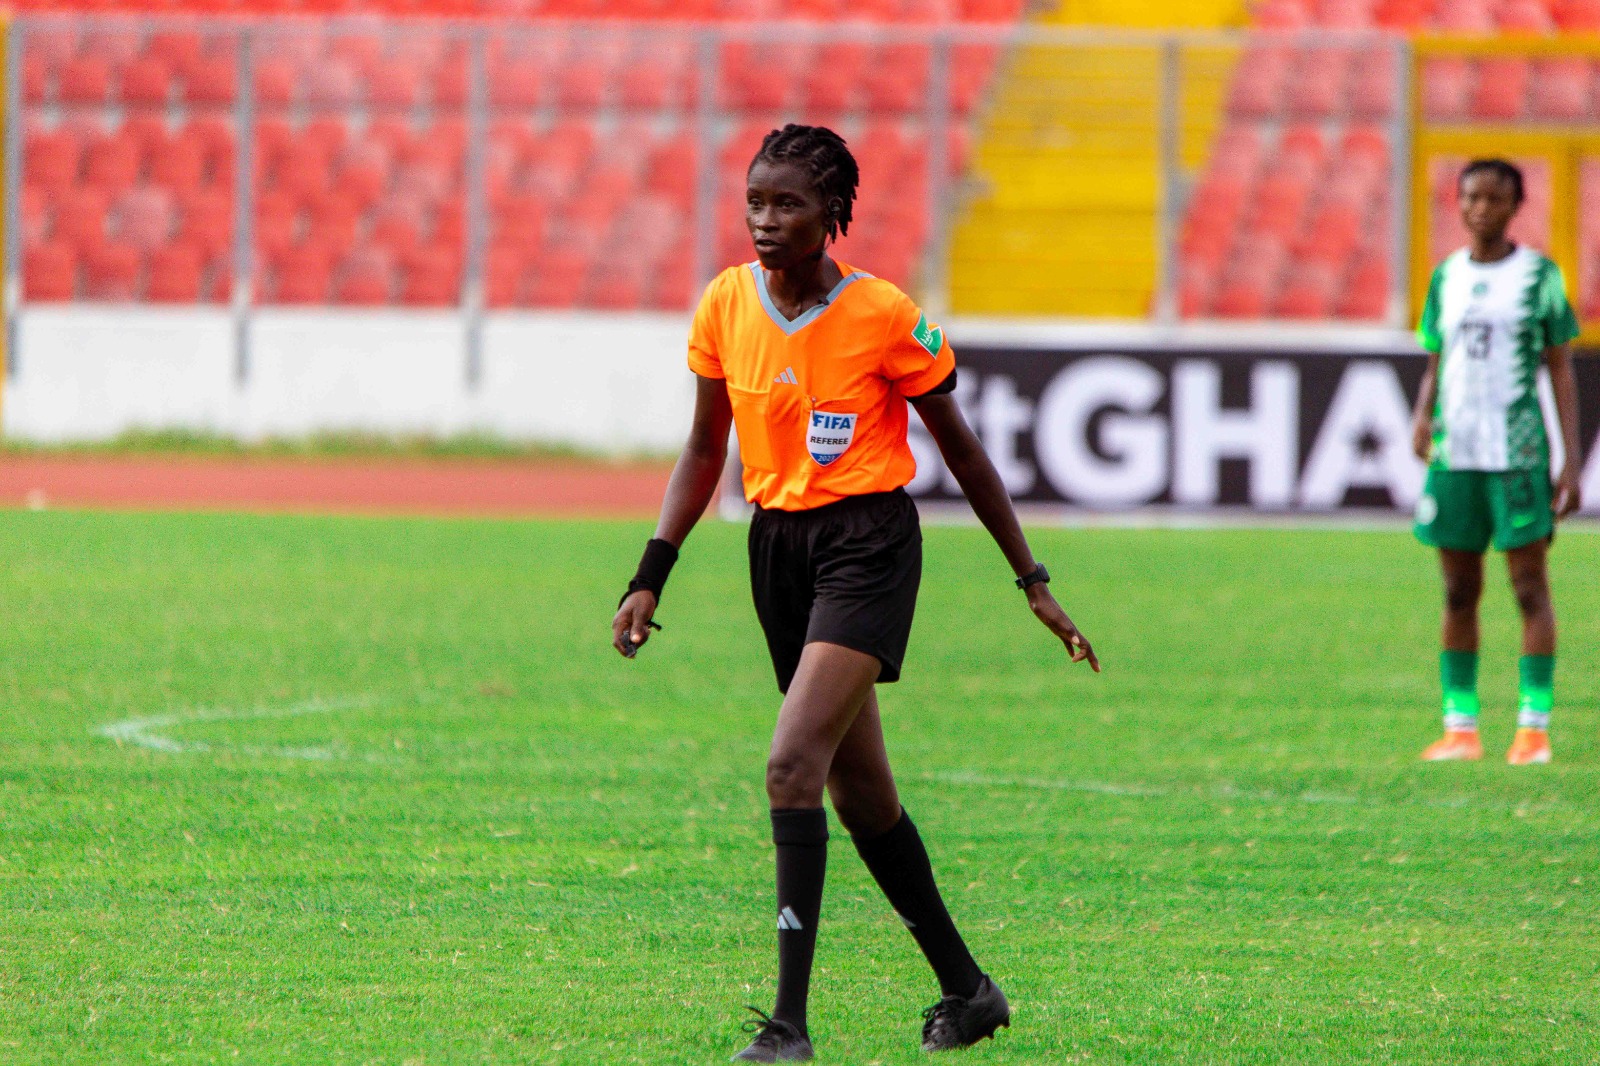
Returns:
<point x="654" y="566"/>
<point x="1039" y="575"/>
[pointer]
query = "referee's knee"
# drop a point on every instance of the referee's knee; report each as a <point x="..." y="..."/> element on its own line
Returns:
<point x="794" y="779"/>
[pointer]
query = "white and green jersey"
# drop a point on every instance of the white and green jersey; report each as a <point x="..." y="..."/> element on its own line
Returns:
<point x="1490" y="324"/>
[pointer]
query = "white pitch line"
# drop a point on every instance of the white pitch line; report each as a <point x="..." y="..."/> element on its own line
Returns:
<point x="1140" y="791"/>
<point x="141" y="732"/>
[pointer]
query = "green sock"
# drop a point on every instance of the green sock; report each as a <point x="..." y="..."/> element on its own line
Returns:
<point x="1537" y="675"/>
<point x="1458" y="670"/>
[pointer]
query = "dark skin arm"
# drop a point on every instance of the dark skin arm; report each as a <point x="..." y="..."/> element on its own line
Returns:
<point x="689" y="492"/>
<point x="1422" y="414"/>
<point x="964" y="455"/>
<point x="1564" y="384"/>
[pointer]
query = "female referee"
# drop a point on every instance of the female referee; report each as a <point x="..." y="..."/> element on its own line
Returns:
<point x="814" y="362"/>
<point x="1495" y="310"/>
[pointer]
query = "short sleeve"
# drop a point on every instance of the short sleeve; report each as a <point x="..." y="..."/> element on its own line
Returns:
<point x="916" y="356"/>
<point x="1428" y="333"/>
<point x="705" y="349"/>
<point x="1560" y="324"/>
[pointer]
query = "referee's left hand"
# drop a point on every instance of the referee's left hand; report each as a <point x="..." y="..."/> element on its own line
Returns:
<point x="630" y="627"/>
<point x="1048" y="611"/>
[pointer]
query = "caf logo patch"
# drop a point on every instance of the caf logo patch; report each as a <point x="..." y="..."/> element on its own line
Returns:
<point x="930" y="337"/>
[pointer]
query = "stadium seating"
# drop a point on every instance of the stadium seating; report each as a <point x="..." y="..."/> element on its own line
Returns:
<point x="1265" y="181"/>
<point x="360" y="148"/>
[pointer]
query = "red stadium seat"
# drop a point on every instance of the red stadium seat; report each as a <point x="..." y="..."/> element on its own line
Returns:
<point x="1281" y="15"/>
<point x="207" y="222"/>
<point x="971" y="68"/>
<point x="302" y="276"/>
<point x="111" y="272"/>
<point x="179" y="165"/>
<point x="1316" y="84"/>
<point x="84" y="79"/>
<point x="398" y="225"/>
<point x="1560" y="89"/>
<point x="331" y="83"/>
<point x="431" y="281"/>
<point x="449" y="223"/>
<point x="1331" y="233"/>
<point x="1446" y="87"/>
<point x="51" y="158"/>
<point x="586" y="70"/>
<point x="1465" y="17"/>
<point x="1524" y="17"/>
<point x="112" y="163"/>
<point x="1501" y="88"/>
<point x="449" y="84"/>
<point x="50" y="273"/>
<point x="37" y="74"/>
<point x="178" y="49"/>
<point x="897" y="77"/>
<point x="143" y="217"/>
<point x="1256" y="89"/>
<point x="335" y="219"/>
<point x="33" y="214"/>
<point x="1375" y="83"/>
<point x="112" y="42"/>
<point x="212" y="81"/>
<point x="1308" y="292"/>
<point x="147" y="130"/>
<point x="366" y="277"/>
<point x="515" y="79"/>
<point x="505" y="266"/>
<point x="277" y="224"/>
<point x="1406" y="16"/>
<point x="760" y="76"/>
<point x="146" y="80"/>
<point x="521" y="219"/>
<point x="277" y="81"/>
<point x="80" y="217"/>
<point x="174" y="275"/>
<point x="556" y="279"/>
<point x="394" y="83"/>
<point x="1578" y="16"/>
<point x="1366" y="295"/>
<point x="657" y="74"/>
<point x="1242" y="298"/>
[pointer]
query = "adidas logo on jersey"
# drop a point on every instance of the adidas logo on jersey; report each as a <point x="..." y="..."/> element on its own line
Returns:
<point x="787" y="377"/>
<point x="788" y="920"/>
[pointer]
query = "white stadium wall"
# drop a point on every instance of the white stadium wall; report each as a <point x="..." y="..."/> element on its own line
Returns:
<point x="613" y="383"/>
<point x="1100" y="418"/>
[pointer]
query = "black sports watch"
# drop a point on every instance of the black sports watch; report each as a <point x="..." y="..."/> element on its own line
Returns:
<point x="1039" y="576"/>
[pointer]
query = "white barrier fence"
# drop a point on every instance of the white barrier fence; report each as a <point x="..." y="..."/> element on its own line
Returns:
<point x="603" y="382"/>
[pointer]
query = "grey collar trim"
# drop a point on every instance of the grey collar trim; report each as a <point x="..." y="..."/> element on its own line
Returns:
<point x="791" y="326"/>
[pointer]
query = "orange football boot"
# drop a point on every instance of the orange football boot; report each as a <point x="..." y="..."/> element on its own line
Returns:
<point x="1529" y="747"/>
<point x="1455" y="746"/>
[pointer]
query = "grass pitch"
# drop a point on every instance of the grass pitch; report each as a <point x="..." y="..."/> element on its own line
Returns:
<point x="318" y="790"/>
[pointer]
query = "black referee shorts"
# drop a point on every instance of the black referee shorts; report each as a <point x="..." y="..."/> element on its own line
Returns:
<point x="845" y="573"/>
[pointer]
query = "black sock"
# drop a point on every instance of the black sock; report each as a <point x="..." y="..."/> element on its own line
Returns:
<point x="801" y="836"/>
<point x="899" y="863"/>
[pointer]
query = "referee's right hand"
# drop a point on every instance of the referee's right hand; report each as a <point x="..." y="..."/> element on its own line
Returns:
<point x="630" y="628"/>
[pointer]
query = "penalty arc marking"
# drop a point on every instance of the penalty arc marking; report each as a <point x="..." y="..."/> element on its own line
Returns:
<point x="154" y="731"/>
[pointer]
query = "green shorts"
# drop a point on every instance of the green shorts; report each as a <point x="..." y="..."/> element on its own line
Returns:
<point x="1466" y="510"/>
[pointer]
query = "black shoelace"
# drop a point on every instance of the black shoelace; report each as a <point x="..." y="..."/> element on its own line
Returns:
<point x="941" y="1013"/>
<point x="768" y="1029"/>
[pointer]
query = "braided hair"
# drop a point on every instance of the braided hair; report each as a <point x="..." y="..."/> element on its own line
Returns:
<point x="1498" y="167"/>
<point x="822" y="152"/>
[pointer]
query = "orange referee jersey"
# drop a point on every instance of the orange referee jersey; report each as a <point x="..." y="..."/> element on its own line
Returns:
<point x="819" y="401"/>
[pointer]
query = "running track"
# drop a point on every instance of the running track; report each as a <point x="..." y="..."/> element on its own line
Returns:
<point x="488" y="487"/>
